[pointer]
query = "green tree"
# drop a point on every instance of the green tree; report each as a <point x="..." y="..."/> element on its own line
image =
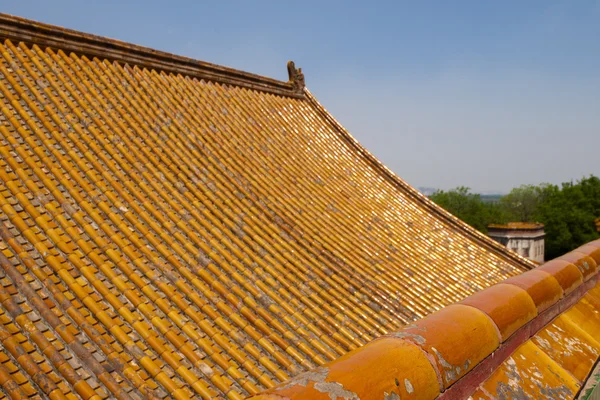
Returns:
<point x="469" y="207"/>
<point x="568" y="215"/>
<point x="521" y="204"/>
<point x="567" y="211"/>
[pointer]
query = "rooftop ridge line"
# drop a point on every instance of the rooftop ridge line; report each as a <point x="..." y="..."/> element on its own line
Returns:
<point x="46" y="35"/>
<point x="452" y="351"/>
<point x="477" y="236"/>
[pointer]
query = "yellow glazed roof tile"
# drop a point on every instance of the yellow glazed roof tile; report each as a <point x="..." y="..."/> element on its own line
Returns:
<point x="548" y="357"/>
<point x="492" y="345"/>
<point x="530" y="374"/>
<point x="556" y="361"/>
<point x="172" y="228"/>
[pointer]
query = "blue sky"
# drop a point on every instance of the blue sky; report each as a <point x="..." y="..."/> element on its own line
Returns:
<point x="485" y="94"/>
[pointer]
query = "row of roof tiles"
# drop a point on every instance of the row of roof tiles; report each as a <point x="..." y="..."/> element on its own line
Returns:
<point x="480" y="346"/>
<point x="199" y="239"/>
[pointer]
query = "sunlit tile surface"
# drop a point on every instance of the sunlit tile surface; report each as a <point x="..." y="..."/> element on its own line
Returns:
<point x="164" y="236"/>
<point x="556" y="362"/>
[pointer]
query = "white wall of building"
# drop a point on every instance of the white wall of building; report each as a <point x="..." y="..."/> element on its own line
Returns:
<point x="529" y="244"/>
<point x="531" y="248"/>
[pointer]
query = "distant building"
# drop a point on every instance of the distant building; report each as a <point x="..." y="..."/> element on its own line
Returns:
<point x="524" y="238"/>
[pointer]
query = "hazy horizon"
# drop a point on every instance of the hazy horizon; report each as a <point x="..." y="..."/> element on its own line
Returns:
<point x="479" y="94"/>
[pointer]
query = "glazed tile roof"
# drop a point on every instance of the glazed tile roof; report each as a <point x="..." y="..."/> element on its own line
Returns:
<point x="533" y="336"/>
<point x="171" y="228"/>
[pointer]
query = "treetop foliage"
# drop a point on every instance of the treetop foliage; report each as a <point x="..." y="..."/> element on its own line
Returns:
<point x="567" y="211"/>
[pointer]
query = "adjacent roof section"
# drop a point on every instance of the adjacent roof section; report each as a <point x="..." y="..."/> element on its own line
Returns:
<point x="517" y="226"/>
<point x="533" y="336"/>
<point x="174" y="228"/>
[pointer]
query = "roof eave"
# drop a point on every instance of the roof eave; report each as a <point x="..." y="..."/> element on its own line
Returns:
<point x="565" y="281"/>
<point x="457" y="224"/>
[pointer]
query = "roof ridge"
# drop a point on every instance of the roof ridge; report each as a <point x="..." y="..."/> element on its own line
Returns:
<point x="449" y="353"/>
<point x="42" y="34"/>
<point x="455" y="222"/>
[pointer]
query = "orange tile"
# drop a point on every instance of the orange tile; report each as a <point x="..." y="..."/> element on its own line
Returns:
<point x="571" y="347"/>
<point x="543" y="288"/>
<point x="530" y="374"/>
<point x="591" y="250"/>
<point x="480" y="394"/>
<point x="584" y="262"/>
<point x="585" y="313"/>
<point x="566" y="273"/>
<point x="457" y="337"/>
<point x="509" y="306"/>
<point x="377" y="370"/>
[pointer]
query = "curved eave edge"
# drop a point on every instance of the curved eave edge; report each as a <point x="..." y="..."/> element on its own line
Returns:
<point x="428" y="204"/>
<point x="44" y="35"/>
<point x="478" y="334"/>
